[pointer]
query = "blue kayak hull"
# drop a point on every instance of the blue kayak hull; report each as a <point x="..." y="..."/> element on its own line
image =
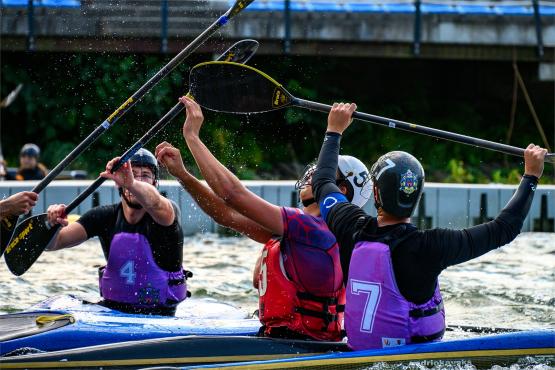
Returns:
<point x="482" y="352"/>
<point x="267" y="353"/>
<point x="66" y="322"/>
<point x="74" y="334"/>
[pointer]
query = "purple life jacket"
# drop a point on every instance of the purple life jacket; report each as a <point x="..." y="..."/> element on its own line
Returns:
<point x="132" y="276"/>
<point x="376" y="314"/>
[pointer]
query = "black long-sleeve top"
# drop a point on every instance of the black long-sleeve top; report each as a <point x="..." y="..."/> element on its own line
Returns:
<point x="419" y="259"/>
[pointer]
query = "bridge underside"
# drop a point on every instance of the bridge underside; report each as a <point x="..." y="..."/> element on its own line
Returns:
<point x="276" y="47"/>
<point x="141" y="26"/>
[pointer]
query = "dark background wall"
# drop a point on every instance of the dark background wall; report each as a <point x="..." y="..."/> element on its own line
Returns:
<point x="65" y="96"/>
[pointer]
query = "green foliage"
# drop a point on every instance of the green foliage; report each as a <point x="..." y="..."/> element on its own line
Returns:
<point x="504" y="176"/>
<point x="458" y="173"/>
<point x="65" y="97"/>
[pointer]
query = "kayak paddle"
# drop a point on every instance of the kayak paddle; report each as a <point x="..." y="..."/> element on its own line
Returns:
<point x="236" y="88"/>
<point x="34" y="234"/>
<point x="7" y="224"/>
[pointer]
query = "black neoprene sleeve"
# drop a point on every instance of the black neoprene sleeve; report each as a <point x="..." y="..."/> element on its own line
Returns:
<point x="480" y="239"/>
<point x="323" y="179"/>
<point x="518" y="207"/>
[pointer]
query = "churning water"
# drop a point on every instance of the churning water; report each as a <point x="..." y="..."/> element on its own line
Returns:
<point x="512" y="287"/>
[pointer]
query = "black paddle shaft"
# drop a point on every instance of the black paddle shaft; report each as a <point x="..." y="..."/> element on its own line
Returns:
<point x="143" y="90"/>
<point x="8" y="223"/>
<point x="159" y="126"/>
<point x="392" y="123"/>
<point x="241" y="52"/>
<point x="34" y="235"/>
<point x="236" y="88"/>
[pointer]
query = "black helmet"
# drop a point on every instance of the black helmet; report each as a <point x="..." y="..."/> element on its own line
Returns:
<point x="144" y="158"/>
<point x="31" y="150"/>
<point x="399" y="180"/>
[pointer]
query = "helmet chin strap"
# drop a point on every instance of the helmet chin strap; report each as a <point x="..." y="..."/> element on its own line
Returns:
<point x="308" y="202"/>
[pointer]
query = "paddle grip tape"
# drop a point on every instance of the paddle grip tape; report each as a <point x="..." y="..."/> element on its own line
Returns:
<point x="223" y="20"/>
<point x="106" y="124"/>
<point x="127" y="156"/>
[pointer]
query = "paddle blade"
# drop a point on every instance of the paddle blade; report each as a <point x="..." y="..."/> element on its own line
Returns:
<point x="7" y="226"/>
<point x="30" y="238"/>
<point x="236" y="88"/>
<point x="240" y="52"/>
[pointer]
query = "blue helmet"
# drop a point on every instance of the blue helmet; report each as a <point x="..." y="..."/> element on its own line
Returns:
<point x="144" y="158"/>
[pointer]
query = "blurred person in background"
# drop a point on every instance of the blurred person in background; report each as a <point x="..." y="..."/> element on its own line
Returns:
<point x="29" y="166"/>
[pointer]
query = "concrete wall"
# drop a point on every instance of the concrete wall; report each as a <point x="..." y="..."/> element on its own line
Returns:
<point x="99" y="24"/>
<point x="444" y="205"/>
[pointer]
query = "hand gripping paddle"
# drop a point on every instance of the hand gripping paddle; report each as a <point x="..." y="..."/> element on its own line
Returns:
<point x="8" y="224"/>
<point x="33" y="235"/>
<point x="235" y="88"/>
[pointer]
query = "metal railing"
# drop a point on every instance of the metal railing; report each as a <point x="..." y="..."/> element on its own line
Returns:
<point x="418" y="8"/>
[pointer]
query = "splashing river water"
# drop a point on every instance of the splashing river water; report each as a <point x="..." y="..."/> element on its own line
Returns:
<point x="512" y="287"/>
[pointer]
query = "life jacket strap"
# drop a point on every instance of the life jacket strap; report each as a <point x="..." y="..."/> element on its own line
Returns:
<point x="419" y="312"/>
<point x="326" y="316"/>
<point x="329" y="301"/>
<point x="427" y="338"/>
<point x="174" y="282"/>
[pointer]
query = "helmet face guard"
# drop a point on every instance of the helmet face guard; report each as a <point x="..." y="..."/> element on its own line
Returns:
<point x="306" y="178"/>
<point x="351" y="172"/>
<point x="399" y="181"/>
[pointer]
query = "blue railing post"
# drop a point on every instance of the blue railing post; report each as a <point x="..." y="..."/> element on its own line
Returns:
<point x="30" y="26"/>
<point x="417" y="28"/>
<point x="164" y="26"/>
<point x="538" y="21"/>
<point x="287" y="26"/>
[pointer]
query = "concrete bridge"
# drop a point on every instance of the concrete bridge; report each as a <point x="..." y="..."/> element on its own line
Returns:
<point x="459" y="29"/>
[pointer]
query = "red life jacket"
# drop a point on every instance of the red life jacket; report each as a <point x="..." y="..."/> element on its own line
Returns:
<point x="285" y="303"/>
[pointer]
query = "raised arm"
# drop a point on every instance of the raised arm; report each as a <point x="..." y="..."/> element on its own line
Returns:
<point x="157" y="206"/>
<point x="326" y="192"/>
<point x="224" y="183"/>
<point x="340" y="215"/>
<point x="451" y="247"/>
<point x="205" y="197"/>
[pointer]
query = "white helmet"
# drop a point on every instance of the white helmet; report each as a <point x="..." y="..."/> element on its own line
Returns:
<point x="358" y="177"/>
<point x="352" y="172"/>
